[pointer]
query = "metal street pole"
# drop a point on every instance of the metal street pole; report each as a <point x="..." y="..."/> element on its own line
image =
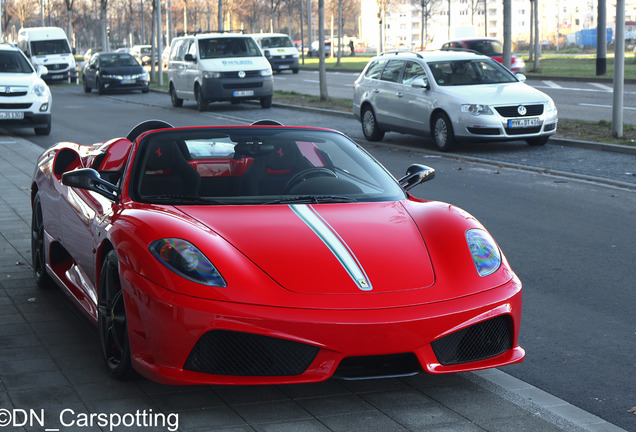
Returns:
<point x="619" y="70"/>
<point x="159" y="44"/>
<point x="601" y="39"/>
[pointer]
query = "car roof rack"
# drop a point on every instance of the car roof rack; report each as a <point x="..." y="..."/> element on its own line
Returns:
<point x="412" y="53"/>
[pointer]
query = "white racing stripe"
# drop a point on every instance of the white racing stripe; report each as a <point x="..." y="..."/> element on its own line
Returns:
<point x="334" y="242"/>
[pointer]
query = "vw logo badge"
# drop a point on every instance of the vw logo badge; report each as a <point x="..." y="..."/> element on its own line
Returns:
<point x="241" y="74"/>
<point x="522" y="110"/>
<point x="7" y="89"/>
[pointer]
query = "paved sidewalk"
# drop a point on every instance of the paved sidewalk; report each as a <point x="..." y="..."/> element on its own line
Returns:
<point x="50" y="367"/>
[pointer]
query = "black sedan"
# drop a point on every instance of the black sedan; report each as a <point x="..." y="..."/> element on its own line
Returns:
<point x="114" y="71"/>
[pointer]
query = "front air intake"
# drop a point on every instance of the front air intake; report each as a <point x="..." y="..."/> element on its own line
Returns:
<point x="223" y="352"/>
<point x="477" y="342"/>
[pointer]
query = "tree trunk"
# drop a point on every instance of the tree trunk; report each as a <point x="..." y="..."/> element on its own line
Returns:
<point x="322" y="69"/>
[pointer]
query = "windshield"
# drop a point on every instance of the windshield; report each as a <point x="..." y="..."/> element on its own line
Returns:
<point x="470" y="72"/>
<point x="14" y="62"/>
<point x="52" y="46"/>
<point x="276" y="42"/>
<point x="114" y="60"/>
<point x="257" y="165"/>
<point x="224" y="47"/>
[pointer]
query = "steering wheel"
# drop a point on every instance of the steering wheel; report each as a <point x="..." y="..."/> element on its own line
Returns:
<point x="307" y="174"/>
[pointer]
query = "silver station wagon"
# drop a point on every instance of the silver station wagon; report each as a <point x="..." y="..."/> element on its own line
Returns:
<point x="452" y="97"/>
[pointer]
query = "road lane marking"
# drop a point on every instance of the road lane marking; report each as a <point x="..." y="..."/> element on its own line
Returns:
<point x="604" y="106"/>
<point x="602" y="86"/>
<point x="552" y="84"/>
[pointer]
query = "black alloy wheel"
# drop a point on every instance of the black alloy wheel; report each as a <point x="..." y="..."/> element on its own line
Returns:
<point x="111" y="315"/>
<point x="38" y="250"/>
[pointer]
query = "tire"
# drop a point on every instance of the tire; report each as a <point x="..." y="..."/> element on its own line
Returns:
<point x="176" y="101"/>
<point x="266" y="102"/>
<point x="112" y="324"/>
<point x="370" y="128"/>
<point x="538" y="141"/>
<point x="202" y="104"/>
<point x="146" y="90"/>
<point x="46" y="130"/>
<point x="87" y="89"/>
<point x="443" y="132"/>
<point x="295" y="71"/>
<point x="99" y="87"/>
<point x="38" y="250"/>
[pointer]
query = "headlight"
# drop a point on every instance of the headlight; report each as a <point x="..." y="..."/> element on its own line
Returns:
<point x="117" y="77"/>
<point x="212" y="75"/>
<point x="40" y="89"/>
<point x="266" y="72"/>
<point x="187" y="261"/>
<point x="551" y="106"/>
<point x="484" y="251"/>
<point x="476" y="109"/>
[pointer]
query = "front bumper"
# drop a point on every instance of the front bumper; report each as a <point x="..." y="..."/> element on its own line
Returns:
<point x="282" y="63"/>
<point x="117" y="84"/>
<point x="174" y="337"/>
<point x="501" y="127"/>
<point x="226" y="88"/>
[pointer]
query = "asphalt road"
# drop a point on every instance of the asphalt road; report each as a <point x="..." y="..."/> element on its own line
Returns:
<point x="571" y="242"/>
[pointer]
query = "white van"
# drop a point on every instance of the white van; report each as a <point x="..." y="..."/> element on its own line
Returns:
<point x="218" y="67"/>
<point x="48" y="46"/>
<point x="279" y="50"/>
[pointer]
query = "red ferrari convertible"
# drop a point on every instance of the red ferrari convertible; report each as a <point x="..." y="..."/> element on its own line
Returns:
<point x="266" y="254"/>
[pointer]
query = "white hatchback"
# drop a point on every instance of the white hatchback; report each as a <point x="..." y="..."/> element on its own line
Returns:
<point x="450" y="96"/>
<point x="25" y="99"/>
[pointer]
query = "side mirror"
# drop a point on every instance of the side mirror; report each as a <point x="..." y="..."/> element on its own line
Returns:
<point x="267" y="53"/>
<point x="89" y="179"/>
<point x="421" y="83"/>
<point x="415" y="175"/>
<point x="42" y="70"/>
<point x="190" y="58"/>
<point x="521" y="77"/>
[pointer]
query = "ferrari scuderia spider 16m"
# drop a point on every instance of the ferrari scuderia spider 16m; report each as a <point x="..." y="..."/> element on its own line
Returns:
<point x="266" y="254"/>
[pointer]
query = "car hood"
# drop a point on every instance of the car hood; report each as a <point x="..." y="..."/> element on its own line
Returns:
<point x="328" y="248"/>
<point x="18" y="79"/>
<point x="495" y="94"/>
<point x="122" y="70"/>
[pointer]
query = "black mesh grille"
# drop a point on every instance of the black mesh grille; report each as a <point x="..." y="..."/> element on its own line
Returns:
<point x="522" y="131"/>
<point x="223" y="352"/>
<point x="248" y="74"/>
<point x="477" y="342"/>
<point x="15" y="105"/>
<point x="57" y="66"/>
<point x="512" y="111"/>
<point x="484" y="131"/>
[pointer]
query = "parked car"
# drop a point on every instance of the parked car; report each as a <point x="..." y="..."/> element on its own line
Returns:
<point x="264" y="254"/>
<point x="313" y="51"/>
<point x="49" y="46"/>
<point x="487" y="46"/>
<point x="90" y="53"/>
<point x="114" y="71"/>
<point x="25" y="99"/>
<point x="143" y="53"/>
<point x="279" y="51"/>
<point x="451" y="96"/>
<point x="213" y="67"/>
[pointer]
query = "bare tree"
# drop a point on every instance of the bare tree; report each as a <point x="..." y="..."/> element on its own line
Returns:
<point x="428" y="9"/>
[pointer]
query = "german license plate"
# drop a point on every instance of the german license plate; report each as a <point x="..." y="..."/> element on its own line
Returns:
<point x="11" y="115"/>
<point x="58" y="76"/>
<point x="524" y="122"/>
<point x="239" y="93"/>
<point x="283" y="67"/>
<point x="128" y="81"/>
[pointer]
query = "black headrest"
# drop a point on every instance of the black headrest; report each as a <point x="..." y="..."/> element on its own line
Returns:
<point x="146" y="126"/>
